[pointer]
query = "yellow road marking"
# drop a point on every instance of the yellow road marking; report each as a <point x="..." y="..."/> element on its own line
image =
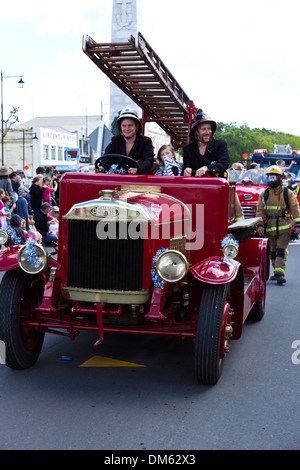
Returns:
<point x="100" y="361"/>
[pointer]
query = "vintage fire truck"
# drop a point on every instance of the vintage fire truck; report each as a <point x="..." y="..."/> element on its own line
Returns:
<point x="138" y="254"/>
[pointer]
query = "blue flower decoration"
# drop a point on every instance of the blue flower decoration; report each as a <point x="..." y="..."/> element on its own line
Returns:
<point x="113" y="169"/>
<point x="230" y="240"/>
<point x="31" y="253"/>
<point x="157" y="280"/>
<point x="12" y="235"/>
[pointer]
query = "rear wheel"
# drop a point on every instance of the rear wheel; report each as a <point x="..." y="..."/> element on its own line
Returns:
<point x="20" y="294"/>
<point x="211" y="342"/>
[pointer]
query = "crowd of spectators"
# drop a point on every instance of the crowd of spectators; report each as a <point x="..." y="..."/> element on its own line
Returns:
<point x="31" y="210"/>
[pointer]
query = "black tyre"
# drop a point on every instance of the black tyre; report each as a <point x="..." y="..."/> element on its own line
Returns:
<point x="211" y="342"/>
<point x="20" y="294"/>
<point x="258" y="310"/>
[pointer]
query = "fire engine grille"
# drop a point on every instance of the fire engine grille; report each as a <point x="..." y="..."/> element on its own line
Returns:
<point x="249" y="211"/>
<point x="104" y="264"/>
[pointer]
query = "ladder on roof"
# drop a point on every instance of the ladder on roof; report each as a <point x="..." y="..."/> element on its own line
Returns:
<point x="138" y="71"/>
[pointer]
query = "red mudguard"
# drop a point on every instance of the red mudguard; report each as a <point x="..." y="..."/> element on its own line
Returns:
<point x="215" y="270"/>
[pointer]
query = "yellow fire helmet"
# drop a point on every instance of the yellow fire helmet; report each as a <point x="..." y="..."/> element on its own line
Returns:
<point x="275" y="170"/>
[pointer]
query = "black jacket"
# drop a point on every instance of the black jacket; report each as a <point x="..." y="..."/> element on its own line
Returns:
<point x="41" y="223"/>
<point x="36" y="195"/>
<point x="142" y="151"/>
<point x="216" y="157"/>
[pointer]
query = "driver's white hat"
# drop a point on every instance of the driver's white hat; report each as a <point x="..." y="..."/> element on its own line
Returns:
<point x="129" y="113"/>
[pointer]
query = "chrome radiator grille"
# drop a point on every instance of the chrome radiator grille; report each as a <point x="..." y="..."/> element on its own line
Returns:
<point x="249" y="211"/>
<point x="109" y="264"/>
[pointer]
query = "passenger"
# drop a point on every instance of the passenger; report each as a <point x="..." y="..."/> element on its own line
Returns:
<point x="205" y="154"/>
<point x="130" y="142"/>
<point x="41" y="224"/>
<point x="281" y="164"/>
<point x="168" y="166"/>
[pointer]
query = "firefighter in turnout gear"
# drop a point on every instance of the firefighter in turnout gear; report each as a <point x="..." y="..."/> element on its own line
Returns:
<point x="276" y="207"/>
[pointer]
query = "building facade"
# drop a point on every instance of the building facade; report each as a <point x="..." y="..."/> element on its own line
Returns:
<point x="46" y="140"/>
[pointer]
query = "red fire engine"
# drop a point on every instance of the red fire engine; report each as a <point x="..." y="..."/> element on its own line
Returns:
<point x="138" y="254"/>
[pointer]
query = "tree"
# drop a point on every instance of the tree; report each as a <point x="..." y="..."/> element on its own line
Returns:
<point x="13" y="117"/>
<point x="241" y="140"/>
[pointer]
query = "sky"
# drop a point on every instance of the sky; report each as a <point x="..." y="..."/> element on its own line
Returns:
<point x="237" y="60"/>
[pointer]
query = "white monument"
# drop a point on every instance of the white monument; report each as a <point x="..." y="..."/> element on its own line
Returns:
<point x="126" y="21"/>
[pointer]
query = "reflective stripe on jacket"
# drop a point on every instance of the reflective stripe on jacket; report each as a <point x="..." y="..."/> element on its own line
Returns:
<point x="273" y="213"/>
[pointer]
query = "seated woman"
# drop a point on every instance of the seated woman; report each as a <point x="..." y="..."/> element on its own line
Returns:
<point x="16" y="224"/>
<point x="130" y="142"/>
<point x="168" y="166"/>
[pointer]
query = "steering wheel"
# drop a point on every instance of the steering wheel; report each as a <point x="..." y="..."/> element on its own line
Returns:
<point x="122" y="161"/>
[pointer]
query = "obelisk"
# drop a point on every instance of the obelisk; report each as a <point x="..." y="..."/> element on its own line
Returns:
<point x="126" y="21"/>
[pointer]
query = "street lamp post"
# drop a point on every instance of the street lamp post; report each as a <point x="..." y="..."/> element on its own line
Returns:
<point x="21" y="85"/>
<point x="35" y="138"/>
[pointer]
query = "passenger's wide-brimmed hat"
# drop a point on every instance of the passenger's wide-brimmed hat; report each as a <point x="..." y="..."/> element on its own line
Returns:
<point x="4" y="171"/>
<point x="201" y="118"/>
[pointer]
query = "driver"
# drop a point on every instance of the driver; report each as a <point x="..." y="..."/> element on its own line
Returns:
<point x="205" y="154"/>
<point x="131" y="143"/>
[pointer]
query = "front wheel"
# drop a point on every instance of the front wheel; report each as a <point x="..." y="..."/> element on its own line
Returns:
<point x="211" y="341"/>
<point x="20" y="294"/>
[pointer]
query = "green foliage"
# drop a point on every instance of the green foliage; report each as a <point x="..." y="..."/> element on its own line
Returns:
<point x="241" y="140"/>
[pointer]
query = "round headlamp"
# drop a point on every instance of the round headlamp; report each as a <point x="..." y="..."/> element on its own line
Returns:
<point x="3" y="237"/>
<point x="230" y="248"/>
<point x="32" y="259"/>
<point x="172" y="266"/>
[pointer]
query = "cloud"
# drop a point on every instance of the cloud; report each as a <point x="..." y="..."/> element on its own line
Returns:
<point x="59" y="17"/>
<point x="237" y="60"/>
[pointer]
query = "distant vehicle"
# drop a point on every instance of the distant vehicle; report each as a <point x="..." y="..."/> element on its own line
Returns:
<point x="249" y="185"/>
<point x="281" y="152"/>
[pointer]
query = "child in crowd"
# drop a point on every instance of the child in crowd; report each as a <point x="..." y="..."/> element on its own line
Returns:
<point x="48" y="191"/>
<point x="32" y="231"/>
<point x="53" y="221"/>
<point x="23" y="227"/>
<point x="7" y="208"/>
<point x="168" y="166"/>
<point x="3" y="214"/>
